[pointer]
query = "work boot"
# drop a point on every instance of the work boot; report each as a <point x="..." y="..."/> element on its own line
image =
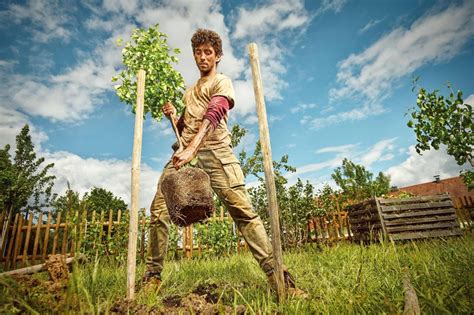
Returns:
<point x="290" y="284"/>
<point x="151" y="282"/>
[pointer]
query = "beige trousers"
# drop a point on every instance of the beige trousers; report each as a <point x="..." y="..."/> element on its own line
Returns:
<point x="227" y="181"/>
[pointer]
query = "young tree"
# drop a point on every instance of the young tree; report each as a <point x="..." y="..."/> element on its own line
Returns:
<point x="437" y="120"/>
<point x="149" y="51"/>
<point x="357" y="183"/>
<point x="24" y="183"/>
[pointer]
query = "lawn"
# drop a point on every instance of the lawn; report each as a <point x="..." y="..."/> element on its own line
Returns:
<point x="341" y="279"/>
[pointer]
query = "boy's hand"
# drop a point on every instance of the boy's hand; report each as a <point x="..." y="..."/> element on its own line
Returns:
<point x="169" y="109"/>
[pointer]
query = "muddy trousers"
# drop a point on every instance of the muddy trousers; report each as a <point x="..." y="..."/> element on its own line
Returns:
<point x="227" y="181"/>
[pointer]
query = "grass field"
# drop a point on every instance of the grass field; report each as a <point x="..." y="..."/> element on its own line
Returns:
<point x="343" y="279"/>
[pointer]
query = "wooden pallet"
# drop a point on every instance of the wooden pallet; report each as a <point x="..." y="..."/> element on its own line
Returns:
<point x="419" y="217"/>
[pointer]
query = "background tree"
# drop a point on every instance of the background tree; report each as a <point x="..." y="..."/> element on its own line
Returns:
<point x="437" y="120"/>
<point x="357" y="183"/>
<point x="295" y="202"/>
<point x="97" y="199"/>
<point x="24" y="183"/>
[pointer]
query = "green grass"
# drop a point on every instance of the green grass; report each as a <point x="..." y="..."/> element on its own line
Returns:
<point x="345" y="278"/>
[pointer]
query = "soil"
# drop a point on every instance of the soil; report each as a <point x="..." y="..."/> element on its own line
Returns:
<point x="188" y="196"/>
<point x="57" y="268"/>
<point x="203" y="300"/>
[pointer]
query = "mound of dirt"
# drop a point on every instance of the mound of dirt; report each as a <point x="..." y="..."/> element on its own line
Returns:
<point x="57" y="268"/>
<point x="188" y="196"/>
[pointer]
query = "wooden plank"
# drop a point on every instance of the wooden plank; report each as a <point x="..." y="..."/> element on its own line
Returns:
<point x="420" y="220"/>
<point x="56" y="233"/>
<point x="65" y="238"/>
<point x="415" y="206"/>
<point x="5" y="229"/>
<point x="358" y="213"/>
<point x="420" y="227"/>
<point x="372" y="218"/>
<point x="426" y="234"/>
<point x="101" y="224"/>
<point x="384" y="201"/>
<point x="418" y="214"/>
<point x="39" y="223"/>
<point x="361" y="228"/>
<point x="16" y="247"/>
<point x="119" y="216"/>
<point x="10" y="243"/>
<point x="27" y="239"/>
<point x="382" y="221"/>
<point x="360" y="205"/>
<point x="109" y="229"/>
<point x="46" y="238"/>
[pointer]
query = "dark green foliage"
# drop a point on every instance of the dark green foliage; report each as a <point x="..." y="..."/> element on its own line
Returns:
<point x="437" y="120"/>
<point x="97" y="199"/>
<point x="24" y="183"/>
<point x="357" y="183"/>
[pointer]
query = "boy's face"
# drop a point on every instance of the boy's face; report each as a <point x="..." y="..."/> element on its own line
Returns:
<point x="205" y="57"/>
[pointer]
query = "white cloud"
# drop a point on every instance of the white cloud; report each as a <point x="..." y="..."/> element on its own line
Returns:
<point x="302" y="108"/>
<point x="379" y="152"/>
<point x="270" y="17"/>
<point x="367" y="78"/>
<point x="369" y="25"/>
<point x="469" y="100"/>
<point x="331" y="5"/>
<point x="11" y="122"/>
<point x="47" y="18"/>
<point x="338" y="149"/>
<point x="113" y="175"/>
<point x="421" y="168"/>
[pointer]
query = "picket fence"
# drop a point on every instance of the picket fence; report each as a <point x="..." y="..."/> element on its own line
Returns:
<point x="32" y="239"/>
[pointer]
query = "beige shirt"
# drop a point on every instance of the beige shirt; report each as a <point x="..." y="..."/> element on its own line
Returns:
<point x="196" y="100"/>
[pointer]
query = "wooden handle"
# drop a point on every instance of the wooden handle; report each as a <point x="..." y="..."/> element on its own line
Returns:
<point x="176" y="132"/>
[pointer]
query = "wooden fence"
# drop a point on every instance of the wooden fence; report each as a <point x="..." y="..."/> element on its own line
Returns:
<point x="32" y="239"/>
<point x="331" y="228"/>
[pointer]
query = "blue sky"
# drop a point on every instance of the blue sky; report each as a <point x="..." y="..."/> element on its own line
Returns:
<point x="336" y="75"/>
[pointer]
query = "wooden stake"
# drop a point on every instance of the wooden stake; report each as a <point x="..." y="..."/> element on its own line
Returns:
<point x="136" y="158"/>
<point x="268" y="166"/>
<point x="412" y="307"/>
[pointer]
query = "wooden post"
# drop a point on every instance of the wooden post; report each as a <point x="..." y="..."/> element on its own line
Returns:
<point x="46" y="238"/>
<point x="24" y="257"/>
<point x="268" y="167"/>
<point x="37" y="237"/>
<point x="136" y="159"/>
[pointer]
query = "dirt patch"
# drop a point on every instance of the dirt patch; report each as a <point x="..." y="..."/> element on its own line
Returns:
<point x="188" y="196"/>
<point x="131" y="307"/>
<point x="57" y="268"/>
<point x="172" y="301"/>
<point x="203" y="300"/>
<point x="24" y="292"/>
<point x="208" y="292"/>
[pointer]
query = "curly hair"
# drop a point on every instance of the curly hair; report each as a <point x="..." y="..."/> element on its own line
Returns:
<point x="202" y="36"/>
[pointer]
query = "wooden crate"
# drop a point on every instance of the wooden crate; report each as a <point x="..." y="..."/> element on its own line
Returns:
<point x="404" y="219"/>
<point x="418" y="217"/>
